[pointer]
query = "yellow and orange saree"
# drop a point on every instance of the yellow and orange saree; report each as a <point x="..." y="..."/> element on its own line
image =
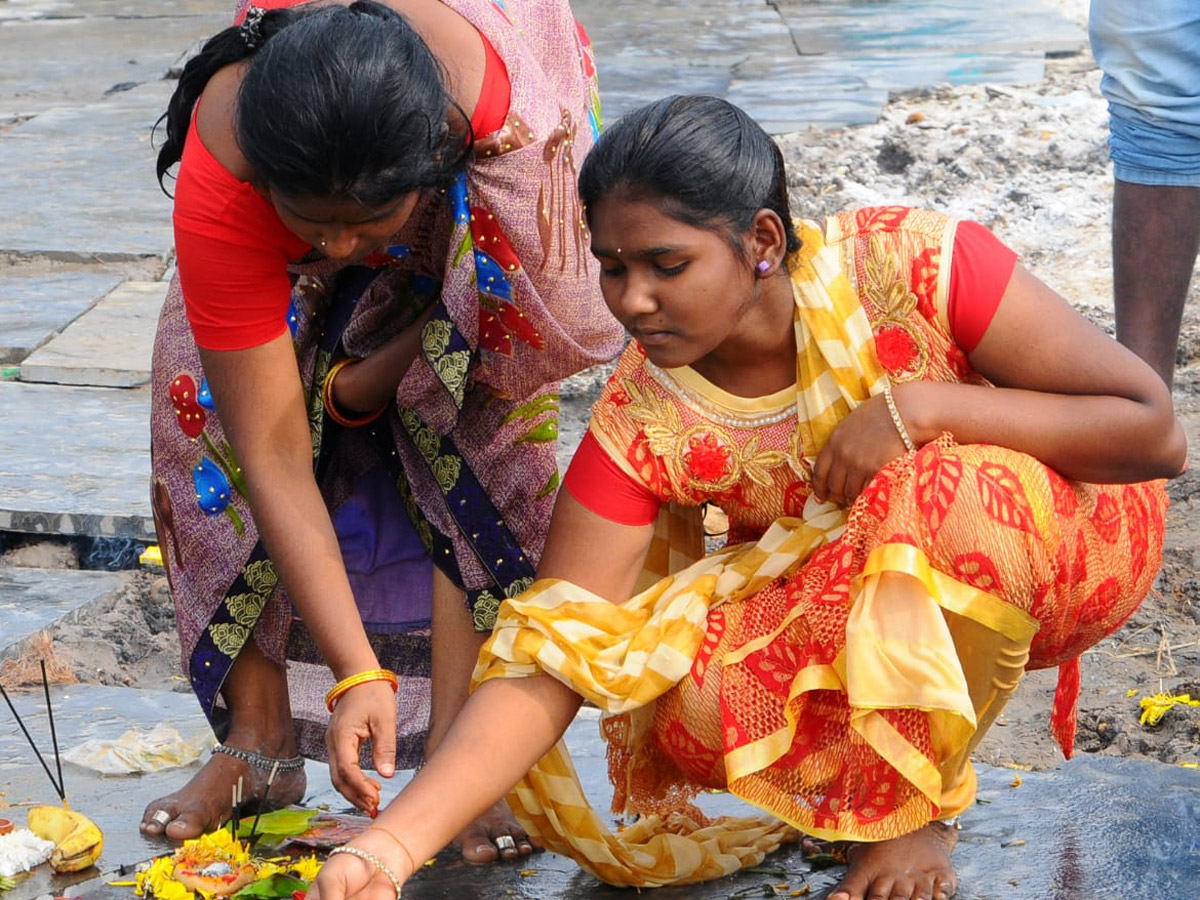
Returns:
<point x="836" y="668"/>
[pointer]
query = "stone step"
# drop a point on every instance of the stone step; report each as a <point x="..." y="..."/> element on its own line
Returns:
<point x="109" y="346"/>
<point x="36" y="304"/>
<point x="78" y="182"/>
<point x="108" y="53"/>
<point x="75" y="460"/>
<point x="32" y="599"/>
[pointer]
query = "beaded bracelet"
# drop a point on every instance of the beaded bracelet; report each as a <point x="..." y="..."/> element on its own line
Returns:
<point x="361" y="678"/>
<point x="331" y="405"/>
<point x="373" y="860"/>
<point x="377" y="827"/>
<point x="899" y="422"/>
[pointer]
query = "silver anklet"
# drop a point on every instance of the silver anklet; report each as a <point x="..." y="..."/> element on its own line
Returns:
<point x="259" y="761"/>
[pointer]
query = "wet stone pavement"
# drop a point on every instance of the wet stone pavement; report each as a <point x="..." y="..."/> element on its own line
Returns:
<point x="86" y="251"/>
<point x="1097" y="828"/>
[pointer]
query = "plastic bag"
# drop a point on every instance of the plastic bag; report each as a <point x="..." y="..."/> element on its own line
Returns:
<point x="139" y="751"/>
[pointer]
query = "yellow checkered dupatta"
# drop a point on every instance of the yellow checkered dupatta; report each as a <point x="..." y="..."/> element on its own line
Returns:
<point x="623" y="657"/>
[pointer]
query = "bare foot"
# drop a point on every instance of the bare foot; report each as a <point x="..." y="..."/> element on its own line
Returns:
<point x="913" y="867"/>
<point x="203" y="804"/>
<point x="483" y="841"/>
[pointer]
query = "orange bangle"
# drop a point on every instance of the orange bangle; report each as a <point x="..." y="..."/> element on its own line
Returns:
<point x="331" y="405"/>
<point x="361" y="678"/>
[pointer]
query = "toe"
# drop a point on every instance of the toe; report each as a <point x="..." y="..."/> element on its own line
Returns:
<point x="477" y="847"/>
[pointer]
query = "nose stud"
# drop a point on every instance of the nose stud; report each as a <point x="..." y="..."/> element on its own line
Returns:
<point x="322" y="243"/>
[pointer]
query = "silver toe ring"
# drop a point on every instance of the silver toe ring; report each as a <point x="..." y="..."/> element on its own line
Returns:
<point x="161" y="816"/>
<point x="506" y="842"/>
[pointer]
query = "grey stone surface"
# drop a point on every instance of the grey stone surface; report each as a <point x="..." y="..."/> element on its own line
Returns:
<point x="108" y="346"/>
<point x="32" y="599"/>
<point x="899" y="26"/>
<point x="49" y="62"/>
<point x="75" y="460"/>
<point x="35" y="305"/>
<point x="78" y="183"/>
<point x="1099" y="828"/>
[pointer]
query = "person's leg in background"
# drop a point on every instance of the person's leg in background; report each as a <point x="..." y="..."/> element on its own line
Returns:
<point x="1151" y="64"/>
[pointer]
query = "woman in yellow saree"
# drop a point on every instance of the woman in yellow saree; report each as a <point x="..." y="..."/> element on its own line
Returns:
<point x="937" y="475"/>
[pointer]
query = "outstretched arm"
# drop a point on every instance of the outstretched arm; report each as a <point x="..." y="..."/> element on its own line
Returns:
<point x="505" y="727"/>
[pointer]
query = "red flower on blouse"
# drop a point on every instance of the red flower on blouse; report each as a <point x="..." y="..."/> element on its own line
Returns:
<point x="895" y="348"/>
<point x="707" y="459"/>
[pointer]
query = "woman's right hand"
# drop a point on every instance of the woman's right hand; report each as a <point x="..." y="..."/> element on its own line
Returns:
<point x="365" y="712"/>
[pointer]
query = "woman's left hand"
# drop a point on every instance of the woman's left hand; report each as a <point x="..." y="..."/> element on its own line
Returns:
<point x="347" y="877"/>
<point x="862" y="444"/>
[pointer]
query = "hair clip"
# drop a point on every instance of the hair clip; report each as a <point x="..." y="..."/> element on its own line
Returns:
<point x="251" y="27"/>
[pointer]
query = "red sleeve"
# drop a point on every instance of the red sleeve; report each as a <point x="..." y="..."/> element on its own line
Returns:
<point x="981" y="267"/>
<point x="232" y="252"/>
<point x="596" y="481"/>
<point x="496" y="95"/>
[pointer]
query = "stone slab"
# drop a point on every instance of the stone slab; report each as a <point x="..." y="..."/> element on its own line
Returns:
<point x="34" y="306"/>
<point x="33" y="599"/>
<point x="78" y="183"/>
<point x="832" y="26"/>
<point x="106" y="54"/>
<point x="108" y="346"/>
<point x="75" y="460"/>
<point x="687" y="35"/>
<point x="40" y="9"/>
<point x="898" y="71"/>
<point x="797" y="100"/>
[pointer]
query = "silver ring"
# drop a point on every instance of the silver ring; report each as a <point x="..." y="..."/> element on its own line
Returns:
<point x="161" y="816"/>
<point x="506" y="842"/>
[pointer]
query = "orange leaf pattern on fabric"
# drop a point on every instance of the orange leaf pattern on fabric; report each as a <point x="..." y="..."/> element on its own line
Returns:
<point x="938" y="477"/>
<point x="1065" y="501"/>
<point x="1003" y="498"/>
<point x="925" y="280"/>
<point x="977" y="570"/>
<point x="1107" y="519"/>
<point x="1138" y="522"/>
<point x="886" y="217"/>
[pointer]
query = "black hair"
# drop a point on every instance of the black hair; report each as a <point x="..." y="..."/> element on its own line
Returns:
<point x="337" y="101"/>
<point x="711" y="164"/>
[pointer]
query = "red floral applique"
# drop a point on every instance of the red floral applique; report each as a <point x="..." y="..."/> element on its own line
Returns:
<point x="707" y="459"/>
<point x="619" y="398"/>
<point x="188" y="412"/>
<point x="895" y="348"/>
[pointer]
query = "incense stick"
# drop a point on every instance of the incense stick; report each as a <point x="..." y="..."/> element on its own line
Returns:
<point x="62" y="785"/>
<point x="58" y="790"/>
<point x="262" y="802"/>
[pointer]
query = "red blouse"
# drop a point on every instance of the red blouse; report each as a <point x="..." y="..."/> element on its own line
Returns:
<point x="233" y="251"/>
<point x="980" y="271"/>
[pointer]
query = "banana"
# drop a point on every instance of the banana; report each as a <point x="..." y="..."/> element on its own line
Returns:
<point x="78" y="841"/>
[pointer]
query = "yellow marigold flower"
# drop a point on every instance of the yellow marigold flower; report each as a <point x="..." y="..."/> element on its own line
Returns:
<point x="1154" y="708"/>
<point x="267" y="868"/>
<point x="307" y="867"/>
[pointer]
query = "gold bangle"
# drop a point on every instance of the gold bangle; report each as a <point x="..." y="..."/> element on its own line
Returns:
<point x="361" y="678"/>
<point x="373" y="860"/>
<point x="330" y="404"/>
<point x="899" y="422"/>
<point x="411" y="861"/>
